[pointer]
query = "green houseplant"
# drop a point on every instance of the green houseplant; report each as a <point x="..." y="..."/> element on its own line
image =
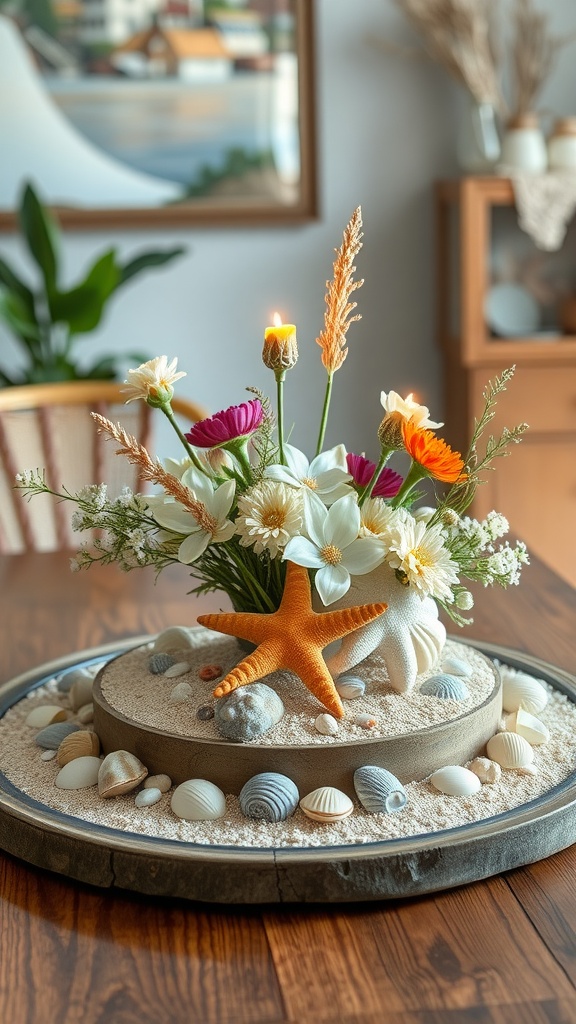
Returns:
<point x="47" y="320"/>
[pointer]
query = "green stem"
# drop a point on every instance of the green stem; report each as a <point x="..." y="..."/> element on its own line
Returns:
<point x="280" y="376"/>
<point x="325" y="409"/>
<point x="413" y="477"/>
<point x="237" y="448"/>
<point x="167" y="410"/>
<point x="367" y="492"/>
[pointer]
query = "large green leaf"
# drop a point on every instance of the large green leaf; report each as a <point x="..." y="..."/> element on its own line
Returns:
<point x="42" y="235"/>
<point x="12" y="283"/>
<point x="15" y="314"/>
<point x="148" y="259"/>
<point x="82" y="307"/>
<point x="60" y="369"/>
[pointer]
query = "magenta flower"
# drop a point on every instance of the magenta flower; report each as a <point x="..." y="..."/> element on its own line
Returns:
<point x="362" y="471"/>
<point x="235" y="423"/>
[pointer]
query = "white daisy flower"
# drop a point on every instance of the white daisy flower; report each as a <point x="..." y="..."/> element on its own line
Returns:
<point x="378" y="519"/>
<point x="334" y="547"/>
<point x="327" y="475"/>
<point x="419" y="553"/>
<point x="408" y="408"/>
<point x="152" y="380"/>
<point x="270" y="514"/>
<point x="209" y="526"/>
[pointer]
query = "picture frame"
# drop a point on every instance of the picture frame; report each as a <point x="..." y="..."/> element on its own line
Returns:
<point x="275" y="184"/>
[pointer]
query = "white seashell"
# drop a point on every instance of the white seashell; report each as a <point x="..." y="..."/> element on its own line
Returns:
<point x="179" y="669"/>
<point x="45" y="715"/>
<point x="456" y="667"/>
<point x="350" y="687"/>
<point x="120" y="772"/>
<point x="366" y="721"/>
<point x="326" y="804"/>
<point x="80" y="773"/>
<point x="181" y="692"/>
<point x="198" y="800"/>
<point x="327" y="725"/>
<point x="175" y="638"/>
<point x="78" y="744"/>
<point x="487" y="771"/>
<point x="161" y="782"/>
<point x="527" y="769"/>
<point x="453" y="780"/>
<point x="526" y="725"/>
<point x="86" y="714"/>
<point x="378" y="790"/>
<point x="510" y="750"/>
<point x="521" y="690"/>
<point x="47" y="755"/>
<point x="445" y="687"/>
<point x="81" y="692"/>
<point x="147" y="797"/>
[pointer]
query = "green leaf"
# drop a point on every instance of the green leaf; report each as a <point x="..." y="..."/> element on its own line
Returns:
<point x="82" y="307"/>
<point x="103" y="369"/>
<point x="42" y="235"/>
<point x="15" y="314"/>
<point x="60" y="369"/>
<point x="13" y="284"/>
<point x="147" y="259"/>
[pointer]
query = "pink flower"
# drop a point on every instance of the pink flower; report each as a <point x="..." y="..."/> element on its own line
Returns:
<point x="231" y="424"/>
<point x="362" y="471"/>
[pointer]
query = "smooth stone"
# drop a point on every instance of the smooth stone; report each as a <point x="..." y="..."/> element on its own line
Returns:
<point x="205" y="713"/>
<point x="159" y="663"/>
<point x="85" y="714"/>
<point x="248" y="712"/>
<point x="179" y="669"/>
<point x="47" y="755"/>
<point x="181" y="693"/>
<point x="81" y="773"/>
<point x="46" y="714"/>
<point x="147" y="797"/>
<point x="161" y="782"/>
<point x="456" y="667"/>
<point x="51" y="737"/>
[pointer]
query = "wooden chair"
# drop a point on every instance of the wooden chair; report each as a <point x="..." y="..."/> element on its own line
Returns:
<point x="48" y="426"/>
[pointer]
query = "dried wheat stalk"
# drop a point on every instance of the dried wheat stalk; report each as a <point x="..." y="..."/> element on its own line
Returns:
<point x="533" y="54"/>
<point x="337" y="319"/>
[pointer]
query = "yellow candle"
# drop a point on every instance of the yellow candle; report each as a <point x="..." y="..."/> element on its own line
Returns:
<point x="280" y="350"/>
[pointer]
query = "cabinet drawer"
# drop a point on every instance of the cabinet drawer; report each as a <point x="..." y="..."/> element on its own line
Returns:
<point x="544" y="397"/>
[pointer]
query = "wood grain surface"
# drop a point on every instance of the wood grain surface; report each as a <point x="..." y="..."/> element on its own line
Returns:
<point x="496" y="952"/>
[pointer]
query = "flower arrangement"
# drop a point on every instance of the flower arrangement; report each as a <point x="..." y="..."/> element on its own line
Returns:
<point x="242" y="502"/>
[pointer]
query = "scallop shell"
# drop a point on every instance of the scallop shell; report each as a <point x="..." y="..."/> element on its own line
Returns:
<point x="80" y="773"/>
<point x="326" y="804"/>
<point x="51" y="737"/>
<point x="81" y="691"/>
<point x="350" y="687"/>
<point x="326" y="724"/>
<point x="269" y="796"/>
<point x="147" y="797"/>
<point x="521" y="690"/>
<point x="528" y="726"/>
<point x="175" y="638"/>
<point x="445" y="687"/>
<point x="78" y="744"/>
<point x="120" y="772"/>
<point x="161" y="782"/>
<point x="198" y="800"/>
<point x="453" y="780"/>
<point x="487" y="771"/>
<point x="456" y="667"/>
<point x="45" y="715"/>
<point x="510" y="750"/>
<point x="378" y="790"/>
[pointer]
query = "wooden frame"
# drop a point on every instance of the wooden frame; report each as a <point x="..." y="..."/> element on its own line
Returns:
<point x="238" y="211"/>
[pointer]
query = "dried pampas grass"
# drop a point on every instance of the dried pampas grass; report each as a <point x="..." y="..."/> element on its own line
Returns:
<point x="534" y="52"/>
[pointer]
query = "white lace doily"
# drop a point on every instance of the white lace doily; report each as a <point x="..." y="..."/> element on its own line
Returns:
<point x="545" y="204"/>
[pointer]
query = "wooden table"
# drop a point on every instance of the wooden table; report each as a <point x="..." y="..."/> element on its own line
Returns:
<point x="500" y="951"/>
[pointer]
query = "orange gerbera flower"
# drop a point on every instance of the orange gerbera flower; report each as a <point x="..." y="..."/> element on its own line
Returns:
<point x="433" y="454"/>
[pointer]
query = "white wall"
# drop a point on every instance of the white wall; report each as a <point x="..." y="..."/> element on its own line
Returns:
<point x="387" y="130"/>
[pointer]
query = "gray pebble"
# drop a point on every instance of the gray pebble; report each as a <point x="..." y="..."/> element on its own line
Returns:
<point x="159" y="663"/>
<point x="51" y="737"/>
<point x="73" y="675"/>
<point x="182" y="692"/>
<point x="147" y="797"/>
<point x="248" y="712"/>
<point x="205" y="713"/>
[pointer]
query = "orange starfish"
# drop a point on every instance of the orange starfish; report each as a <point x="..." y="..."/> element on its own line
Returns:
<point x="292" y="638"/>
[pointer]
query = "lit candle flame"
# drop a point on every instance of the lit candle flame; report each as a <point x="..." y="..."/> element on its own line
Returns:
<point x="277" y="320"/>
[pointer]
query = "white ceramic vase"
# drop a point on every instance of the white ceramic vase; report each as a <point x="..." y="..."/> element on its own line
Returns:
<point x="524" y="146"/>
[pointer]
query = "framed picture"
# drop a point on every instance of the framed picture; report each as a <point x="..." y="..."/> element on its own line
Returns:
<point x="159" y="113"/>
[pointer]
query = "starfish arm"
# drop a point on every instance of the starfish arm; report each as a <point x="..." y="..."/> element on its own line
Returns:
<point x="247" y="625"/>
<point x="331" y="625"/>
<point x="311" y="668"/>
<point x="296" y="594"/>
<point x="260" y="663"/>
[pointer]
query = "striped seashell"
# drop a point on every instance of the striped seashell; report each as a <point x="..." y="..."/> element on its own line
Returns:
<point x="158" y="663"/>
<point x="120" y="772"/>
<point x="445" y="687"/>
<point x="510" y="750"/>
<point x="175" y="638"/>
<point x="453" y="780"/>
<point x="326" y="805"/>
<point x="350" y="687"/>
<point x="522" y="690"/>
<point x="487" y="771"/>
<point x="378" y="790"/>
<point x="456" y="667"/>
<point x="81" y="773"/>
<point x="51" y="737"/>
<point x="45" y="715"/>
<point x="80" y="692"/>
<point x="326" y="725"/>
<point x="269" y="796"/>
<point x="78" y="744"/>
<point x="528" y="726"/>
<point x="198" y="800"/>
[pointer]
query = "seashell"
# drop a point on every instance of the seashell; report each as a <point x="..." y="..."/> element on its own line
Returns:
<point x="80" y="773"/>
<point x="521" y="690"/>
<point x="181" y="692"/>
<point x="45" y="715"/>
<point x="205" y="713"/>
<point x="80" y="692"/>
<point x="326" y="804"/>
<point x="161" y="782"/>
<point x="487" y="771"/>
<point x="210" y="672"/>
<point x="456" y="667"/>
<point x="350" y="687"/>
<point x="269" y="796"/>
<point x="48" y="755"/>
<point x="159" y="663"/>
<point x="78" y="744"/>
<point x="248" y="712"/>
<point x="175" y="638"/>
<point x="526" y="725"/>
<point x="147" y="797"/>
<point x="366" y="721"/>
<point x="326" y="724"/>
<point x="85" y="714"/>
<point x="510" y="750"/>
<point x="445" y="687"/>
<point x="51" y="737"/>
<point x="527" y="769"/>
<point x="120" y="772"/>
<point x="179" y="669"/>
<point x="198" y="800"/>
<point x="378" y="790"/>
<point x="453" y="780"/>
<point x="67" y="679"/>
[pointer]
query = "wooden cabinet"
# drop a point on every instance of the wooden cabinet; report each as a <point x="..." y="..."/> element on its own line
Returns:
<point x="535" y="487"/>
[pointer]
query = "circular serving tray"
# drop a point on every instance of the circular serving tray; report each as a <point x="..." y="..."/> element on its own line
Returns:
<point x="404" y="867"/>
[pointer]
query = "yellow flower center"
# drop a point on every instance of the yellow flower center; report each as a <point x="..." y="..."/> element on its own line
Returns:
<point x="311" y="482"/>
<point x="331" y="554"/>
<point x="274" y="518"/>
